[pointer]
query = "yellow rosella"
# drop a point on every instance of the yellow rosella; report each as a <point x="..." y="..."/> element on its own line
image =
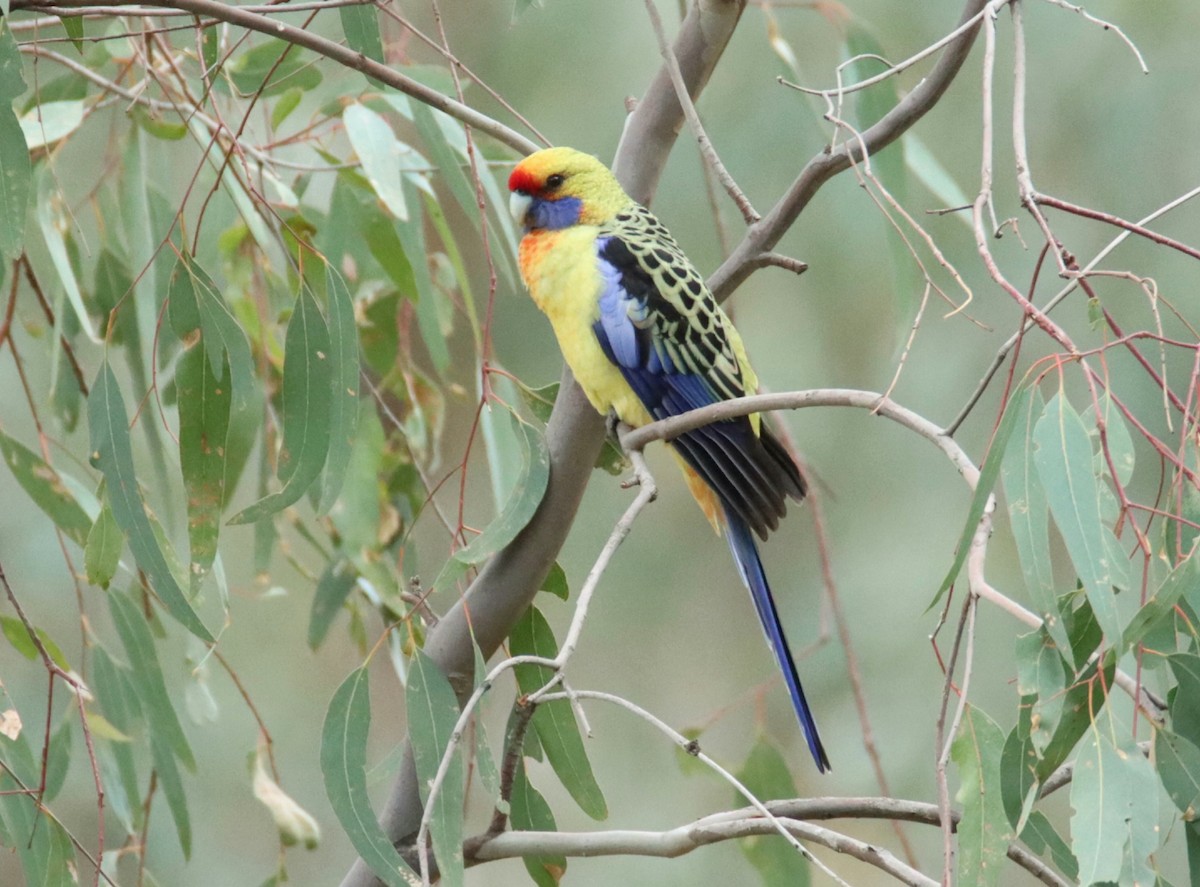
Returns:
<point x="647" y="340"/>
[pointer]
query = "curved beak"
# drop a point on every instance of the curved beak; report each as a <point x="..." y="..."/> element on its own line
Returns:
<point x="518" y="205"/>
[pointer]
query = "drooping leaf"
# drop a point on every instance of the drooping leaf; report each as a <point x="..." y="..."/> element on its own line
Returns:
<point x="984" y="831"/>
<point x="1179" y="769"/>
<point x="45" y="487"/>
<point x="53" y="222"/>
<point x="555" y="582"/>
<point x="250" y="70"/>
<point x="554" y="722"/>
<point x="1185" y="702"/>
<point x="432" y="715"/>
<point x="1042" y="676"/>
<point x="307" y="395"/>
<point x="204" y="408"/>
<point x="171" y="782"/>
<point x="1030" y="520"/>
<point x="333" y="588"/>
<point x="343" y="765"/>
<point x="526" y="496"/>
<point x="541" y="401"/>
<point x="378" y="150"/>
<point x="49" y="122"/>
<point x="120" y="706"/>
<point x="344" y="400"/>
<point x="147" y="677"/>
<point x="987" y="482"/>
<point x="765" y="773"/>
<point x="45" y="854"/>
<point x="1041" y="836"/>
<point x="1110" y="791"/>
<point x="1064" y="464"/>
<point x="102" y="553"/>
<point x="112" y="453"/>
<point x="18" y="635"/>
<point x="16" y="174"/>
<point x="530" y="812"/>
<point x="360" y="24"/>
<point x="429" y="298"/>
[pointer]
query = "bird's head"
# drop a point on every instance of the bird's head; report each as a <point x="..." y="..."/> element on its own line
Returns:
<point x="560" y="187"/>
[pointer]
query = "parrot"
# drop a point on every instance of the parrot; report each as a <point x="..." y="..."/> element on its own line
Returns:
<point x="646" y="340"/>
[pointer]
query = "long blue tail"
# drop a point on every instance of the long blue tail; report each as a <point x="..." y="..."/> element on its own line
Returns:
<point x="745" y="554"/>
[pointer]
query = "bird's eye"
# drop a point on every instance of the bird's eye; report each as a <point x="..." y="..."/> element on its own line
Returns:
<point x="555" y="181"/>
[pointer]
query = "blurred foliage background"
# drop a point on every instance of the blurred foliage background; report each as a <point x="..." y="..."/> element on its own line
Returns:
<point x="670" y="628"/>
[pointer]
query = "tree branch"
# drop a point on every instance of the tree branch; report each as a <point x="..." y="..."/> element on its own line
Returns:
<point x="765" y="234"/>
<point x="343" y="55"/>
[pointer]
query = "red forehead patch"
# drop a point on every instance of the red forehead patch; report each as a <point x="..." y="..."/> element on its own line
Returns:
<point x="523" y="180"/>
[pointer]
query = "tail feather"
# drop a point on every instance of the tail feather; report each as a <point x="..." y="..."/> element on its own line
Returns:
<point x="745" y="554"/>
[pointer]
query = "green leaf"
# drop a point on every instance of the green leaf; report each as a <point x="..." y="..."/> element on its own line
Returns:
<point x="18" y="635"/>
<point x="102" y="553"/>
<point x="1109" y="788"/>
<point x="112" y="453"/>
<point x="1184" y="578"/>
<point x="119" y="704"/>
<point x="146" y="675"/>
<point x="344" y="404"/>
<point x="49" y="122"/>
<point x="432" y="715"/>
<point x="172" y="786"/>
<point x="45" y="487"/>
<point x="287" y="102"/>
<point x="1029" y="517"/>
<point x="45" y="854"/>
<point x="251" y="69"/>
<point x="933" y="175"/>
<point x="12" y="78"/>
<point x="378" y="150"/>
<point x="987" y="482"/>
<point x="429" y="297"/>
<point x="343" y="765"/>
<point x="530" y="812"/>
<point x="1041" y="836"/>
<point x="1179" y="769"/>
<point x="765" y="773"/>
<point x="541" y="402"/>
<point x="307" y="391"/>
<point x="360" y="24"/>
<point x="385" y="246"/>
<point x="526" y="496"/>
<point x="984" y="831"/>
<point x="16" y="172"/>
<point x="554" y="722"/>
<point x="445" y="160"/>
<point x="204" y="408"/>
<point x="1064" y="464"/>
<point x="52" y="219"/>
<point x="73" y="25"/>
<point x="555" y="582"/>
<point x="1042" y="677"/>
<point x="1185" y="702"/>
<point x="58" y="760"/>
<point x="333" y="588"/>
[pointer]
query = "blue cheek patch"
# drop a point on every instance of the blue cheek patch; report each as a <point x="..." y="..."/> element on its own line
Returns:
<point x="554" y="214"/>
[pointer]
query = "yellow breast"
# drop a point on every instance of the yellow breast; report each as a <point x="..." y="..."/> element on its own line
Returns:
<point x="560" y="269"/>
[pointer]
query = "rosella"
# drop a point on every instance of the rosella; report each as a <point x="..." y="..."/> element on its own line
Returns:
<point x="646" y="340"/>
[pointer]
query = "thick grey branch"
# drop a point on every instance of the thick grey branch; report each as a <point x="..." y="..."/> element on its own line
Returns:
<point x="743" y="823"/>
